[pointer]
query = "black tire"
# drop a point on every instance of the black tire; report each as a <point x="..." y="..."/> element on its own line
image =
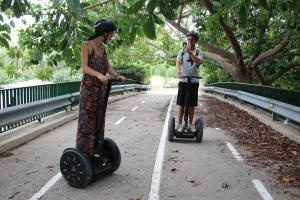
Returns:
<point x="75" y="168"/>
<point x="171" y="129"/>
<point x="199" y="130"/>
<point x="113" y="153"/>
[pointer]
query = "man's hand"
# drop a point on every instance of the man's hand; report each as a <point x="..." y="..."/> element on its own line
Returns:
<point x="180" y="76"/>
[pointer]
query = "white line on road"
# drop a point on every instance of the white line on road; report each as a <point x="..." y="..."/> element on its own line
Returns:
<point x="155" y="182"/>
<point x="265" y="195"/>
<point x="46" y="187"/>
<point x="120" y="120"/>
<point x="234" y="152"/>
<point x="133" y="109"/>
<point x="142" y="102"/>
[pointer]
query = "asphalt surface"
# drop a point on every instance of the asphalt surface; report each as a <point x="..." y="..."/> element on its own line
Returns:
<point x="190" y="170"/>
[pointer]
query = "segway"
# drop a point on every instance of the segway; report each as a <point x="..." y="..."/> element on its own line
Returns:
<point x="75" y="166"/>
<point x="186" y="132"/>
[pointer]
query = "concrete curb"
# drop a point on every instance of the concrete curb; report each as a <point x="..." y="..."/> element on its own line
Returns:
<point x="264" y="117"/>
<point x="24" y="134"/>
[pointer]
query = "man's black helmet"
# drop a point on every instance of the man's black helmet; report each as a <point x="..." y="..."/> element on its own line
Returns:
<point x="104" y="26"/>
<point x="193" y="34"/>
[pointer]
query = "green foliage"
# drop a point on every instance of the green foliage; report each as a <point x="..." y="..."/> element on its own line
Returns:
<point x="290" y="81"/>
<point x="43" y="73"/>
<point x="164" y="70"/>
<point x="4" y="79"/>
<point x="213" y="73"/>
<point x="16" y="8"/>
<point x="11" y="71"/>
<point x="135" y="72"/>
<point x="65" y="75"/>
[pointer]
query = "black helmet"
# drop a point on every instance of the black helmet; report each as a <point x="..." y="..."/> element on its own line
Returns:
<point x="193" y="34"/>
<point x="104" y="26"/>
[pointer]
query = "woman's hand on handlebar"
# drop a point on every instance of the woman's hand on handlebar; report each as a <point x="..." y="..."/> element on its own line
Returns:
<point x="121" y="78"/>
<point x="102" y="78"/>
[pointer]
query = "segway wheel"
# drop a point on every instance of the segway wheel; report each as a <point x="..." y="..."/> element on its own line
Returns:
<point x="113" y="154"/>
<point x="199" y="130"/>
<point x="171" y="129"/>
<point x="75" y="168"/>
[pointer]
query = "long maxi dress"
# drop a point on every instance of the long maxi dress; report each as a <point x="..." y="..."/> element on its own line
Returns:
<point x="92" y="98"/>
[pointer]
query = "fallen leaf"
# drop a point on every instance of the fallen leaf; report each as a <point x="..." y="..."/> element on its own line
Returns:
<point x="137" y="198"/>
<point x="13" y="195"/>
<point x="6" y="154"/>
<point x="225" y="185"/>
<point x="190" y="179"/>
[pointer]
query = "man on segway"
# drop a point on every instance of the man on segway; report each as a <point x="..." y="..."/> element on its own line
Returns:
<point x="187" y="64"/>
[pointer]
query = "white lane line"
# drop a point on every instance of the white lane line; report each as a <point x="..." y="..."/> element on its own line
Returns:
<point x="133" y="109"/>
<point x="46" y="187"/>
<point x="120" y="120"/>
<point x="263" y="192"/>
<point x="155" y="182"/>
<point x="142" y="102"/>
<point x="234" y="152"/>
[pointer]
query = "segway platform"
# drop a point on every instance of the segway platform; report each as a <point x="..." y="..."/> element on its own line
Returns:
<point x="186" y="132"/>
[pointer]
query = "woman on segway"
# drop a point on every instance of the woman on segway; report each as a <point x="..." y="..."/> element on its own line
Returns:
<point x="187" y="64"/>
<point x="95" y="65"/>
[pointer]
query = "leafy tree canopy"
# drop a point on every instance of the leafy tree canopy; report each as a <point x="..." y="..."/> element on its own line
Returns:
<point x="252" y="41"/>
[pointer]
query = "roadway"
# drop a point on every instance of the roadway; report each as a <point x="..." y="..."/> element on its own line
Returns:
<point x="214" y="169"/>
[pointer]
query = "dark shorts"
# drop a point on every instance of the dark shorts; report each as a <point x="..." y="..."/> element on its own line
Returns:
<point x="182" y="87"/>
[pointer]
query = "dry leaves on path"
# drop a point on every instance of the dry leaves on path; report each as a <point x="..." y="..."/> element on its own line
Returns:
<point x="267" y="147"/>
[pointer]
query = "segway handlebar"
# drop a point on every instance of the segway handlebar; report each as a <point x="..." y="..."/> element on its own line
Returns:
<point x="198" y="77"/>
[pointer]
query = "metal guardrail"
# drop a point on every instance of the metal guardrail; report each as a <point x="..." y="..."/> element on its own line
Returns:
<point x="23" y="95"/>
<point x="285" y="110"/>
<point x="291" y="97"/>
<point x="16" y="116"/>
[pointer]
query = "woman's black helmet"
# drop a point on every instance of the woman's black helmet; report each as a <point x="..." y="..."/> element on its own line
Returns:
<point x="104" y="26"/>
<point x="193" y="34"/>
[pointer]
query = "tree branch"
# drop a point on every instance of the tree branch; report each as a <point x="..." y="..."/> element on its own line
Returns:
<point x="180" y="13"/>
<point x="269" y="53"/>
<point x="230" y="36"/>
<point x="221" y="61"/>
<point x="209" y="47"/>
<point x="278" y="74"/>
<point x="158" y="47"/>
<point x="97" y="4"/>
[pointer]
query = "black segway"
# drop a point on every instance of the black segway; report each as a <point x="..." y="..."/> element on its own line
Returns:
<point x="78" y="170"/>
<point x="186" y="132"/>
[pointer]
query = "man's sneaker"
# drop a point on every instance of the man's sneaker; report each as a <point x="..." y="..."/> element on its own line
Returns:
<point x="179" y="128"/>
<point x="192" y="128"/>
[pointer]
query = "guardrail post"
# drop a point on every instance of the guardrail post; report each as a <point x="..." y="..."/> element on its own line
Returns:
<point x="275" y="117"/>
<point x="68" y="108"/>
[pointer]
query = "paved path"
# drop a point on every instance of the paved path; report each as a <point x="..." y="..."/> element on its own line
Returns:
<point x="209" y="170"/>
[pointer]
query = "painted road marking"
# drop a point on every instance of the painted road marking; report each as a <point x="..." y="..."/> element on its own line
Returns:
<point x="156" y="174"/>
<point x="263" y="192"/>
<point x="234" y="152"/>
<point x="133" y="109"/>
<point x="46" y="187"/>
<point x="142" y="102"/>
<point x="120" y="120"/>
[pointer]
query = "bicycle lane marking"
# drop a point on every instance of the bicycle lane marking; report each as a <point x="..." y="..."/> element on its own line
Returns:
<point x="156" y="175"/>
